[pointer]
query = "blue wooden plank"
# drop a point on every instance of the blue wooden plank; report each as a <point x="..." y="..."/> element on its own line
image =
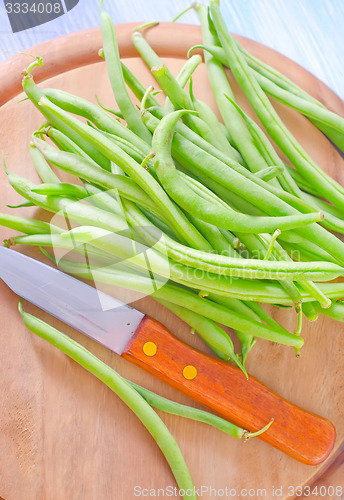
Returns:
<point x="309" y="32"/>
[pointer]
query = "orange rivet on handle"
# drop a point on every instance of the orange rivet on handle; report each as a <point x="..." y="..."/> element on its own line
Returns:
<point x="150" y="349"/>
<point x="189" y="372"/>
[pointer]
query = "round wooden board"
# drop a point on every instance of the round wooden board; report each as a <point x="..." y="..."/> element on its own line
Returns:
<point x="63" y="435"/>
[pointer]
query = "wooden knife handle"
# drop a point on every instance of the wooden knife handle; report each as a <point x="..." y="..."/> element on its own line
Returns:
<point x="225" y="390"/>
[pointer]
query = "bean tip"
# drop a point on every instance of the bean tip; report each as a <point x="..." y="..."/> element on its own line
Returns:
<point x="20" y="307"/>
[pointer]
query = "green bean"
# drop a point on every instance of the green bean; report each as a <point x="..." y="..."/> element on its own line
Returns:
<point x="276" y="78"/>
<point x="25" y="204"/>
<point x="177" y="219"/>
<point x="127" y="147"/>
<point x="310" y="311"/>
<point x="296" y="249"/>
<point x="247" y="290"/>
<point x="332" y="222"/>
<point x="173" y="408"/>
<point x="269" y="154"/>
<point x="28" y="226"/>
<point x="230" y="198"/>
<point x="106" y="200"/>
<point x="213" y="234"/>
<point x="152" y="122"/>
<point x="300" y="181"/>
<point x="306" y="107"/>
<point x="124" y="391"/>
<point x="269" y="118"/>
<point x="247" y="341"/>
<point x="221" y="216"/>
<point x="280" y="254"/>
<point x="258" y="290"/>
<point x="113" y="64"/>
<point x="178" y="97"/>
<point x="115" y="112"/>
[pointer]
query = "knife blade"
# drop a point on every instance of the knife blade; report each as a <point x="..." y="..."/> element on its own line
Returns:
<point x="145" y="342"/>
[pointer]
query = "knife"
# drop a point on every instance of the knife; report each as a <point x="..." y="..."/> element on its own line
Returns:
<point x="148" y="344"/>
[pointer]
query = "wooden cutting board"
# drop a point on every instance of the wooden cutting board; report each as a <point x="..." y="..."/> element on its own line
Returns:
<point x="63" y="435"/>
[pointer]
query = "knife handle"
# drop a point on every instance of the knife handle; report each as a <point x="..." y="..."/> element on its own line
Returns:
<point x="225" y="390"/>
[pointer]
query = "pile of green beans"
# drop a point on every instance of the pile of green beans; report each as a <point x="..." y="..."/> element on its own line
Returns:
<point x="228" y="223"/>
<point x="220" y="209"/>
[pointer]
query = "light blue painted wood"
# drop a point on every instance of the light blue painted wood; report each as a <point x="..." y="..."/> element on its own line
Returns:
<point x="311" y="32"/>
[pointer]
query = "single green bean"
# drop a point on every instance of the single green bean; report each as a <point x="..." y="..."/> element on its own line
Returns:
<point x="173" y="408"/>
<point x="123" y="390"/>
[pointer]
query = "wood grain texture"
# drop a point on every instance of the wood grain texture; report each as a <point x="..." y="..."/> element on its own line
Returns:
<point x="64" y="435"/>
<point x="225" y="390"/>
